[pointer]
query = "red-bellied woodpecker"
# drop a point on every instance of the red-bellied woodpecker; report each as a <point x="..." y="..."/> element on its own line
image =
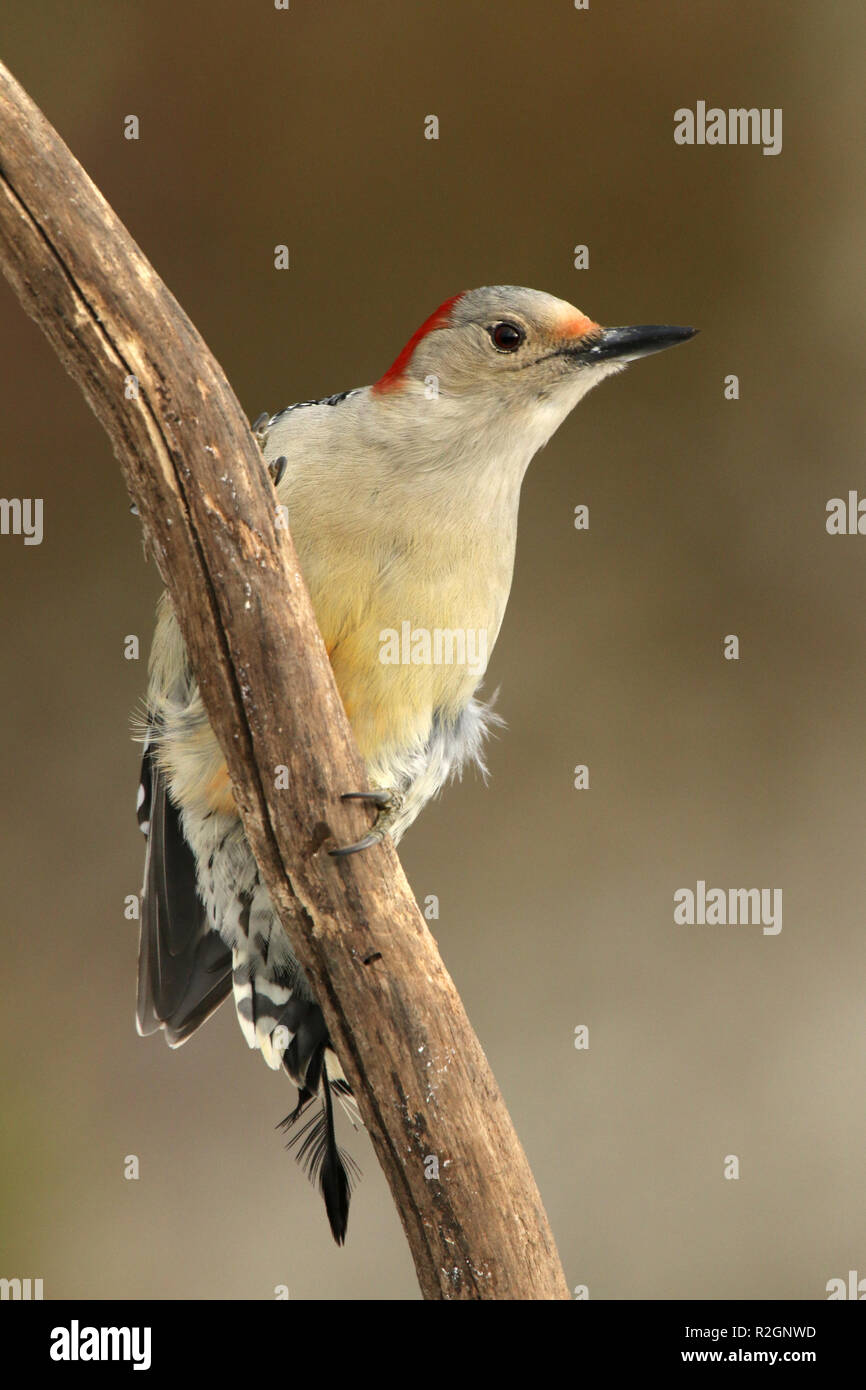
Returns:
<point x="402" y="500"/>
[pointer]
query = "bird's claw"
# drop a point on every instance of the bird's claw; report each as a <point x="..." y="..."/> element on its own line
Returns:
<point x="261" y="432"/>
<point x="389" y="802"/>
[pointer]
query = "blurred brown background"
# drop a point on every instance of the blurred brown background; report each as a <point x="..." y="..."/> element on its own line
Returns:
<point x="707" y="518"/>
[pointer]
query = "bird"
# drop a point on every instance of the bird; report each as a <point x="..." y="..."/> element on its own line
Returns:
<point x="402" y="501"/>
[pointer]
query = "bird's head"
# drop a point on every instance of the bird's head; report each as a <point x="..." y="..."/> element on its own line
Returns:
<point x="520" y="356"/>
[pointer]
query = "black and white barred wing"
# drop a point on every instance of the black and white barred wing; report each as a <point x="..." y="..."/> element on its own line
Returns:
<point x="184" y="967"/>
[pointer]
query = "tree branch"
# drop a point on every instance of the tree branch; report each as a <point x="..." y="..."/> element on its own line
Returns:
<point x="420" y="1077"/>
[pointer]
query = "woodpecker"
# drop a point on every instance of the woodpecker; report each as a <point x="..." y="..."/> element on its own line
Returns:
<point x="402" y="501"/>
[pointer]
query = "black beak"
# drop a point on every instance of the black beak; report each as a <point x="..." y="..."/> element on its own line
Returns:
<point x="627" y="344"/>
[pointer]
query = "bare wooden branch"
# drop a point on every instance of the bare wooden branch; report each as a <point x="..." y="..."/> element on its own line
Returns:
<point x="421" y="1079"/>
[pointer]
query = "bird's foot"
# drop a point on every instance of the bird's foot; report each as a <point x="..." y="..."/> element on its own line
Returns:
<point x="261" y="432"/>
<point x="260" y="429"/>
<point x="390" y="804"/>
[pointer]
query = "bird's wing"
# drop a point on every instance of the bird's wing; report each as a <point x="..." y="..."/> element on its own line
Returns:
<point x="184" y="967"/>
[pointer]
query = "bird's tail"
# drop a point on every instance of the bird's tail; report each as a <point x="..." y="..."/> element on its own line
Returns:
<point x="279" y="1017"/>
<point x="327" y="1166"/>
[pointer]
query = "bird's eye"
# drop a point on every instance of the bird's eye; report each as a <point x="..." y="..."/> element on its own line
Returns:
<point x="507" y="337"/>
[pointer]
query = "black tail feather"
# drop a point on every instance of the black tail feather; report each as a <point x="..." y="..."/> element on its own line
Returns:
<point x="334" y="1178"/>
<point x="324" y="1162"/>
